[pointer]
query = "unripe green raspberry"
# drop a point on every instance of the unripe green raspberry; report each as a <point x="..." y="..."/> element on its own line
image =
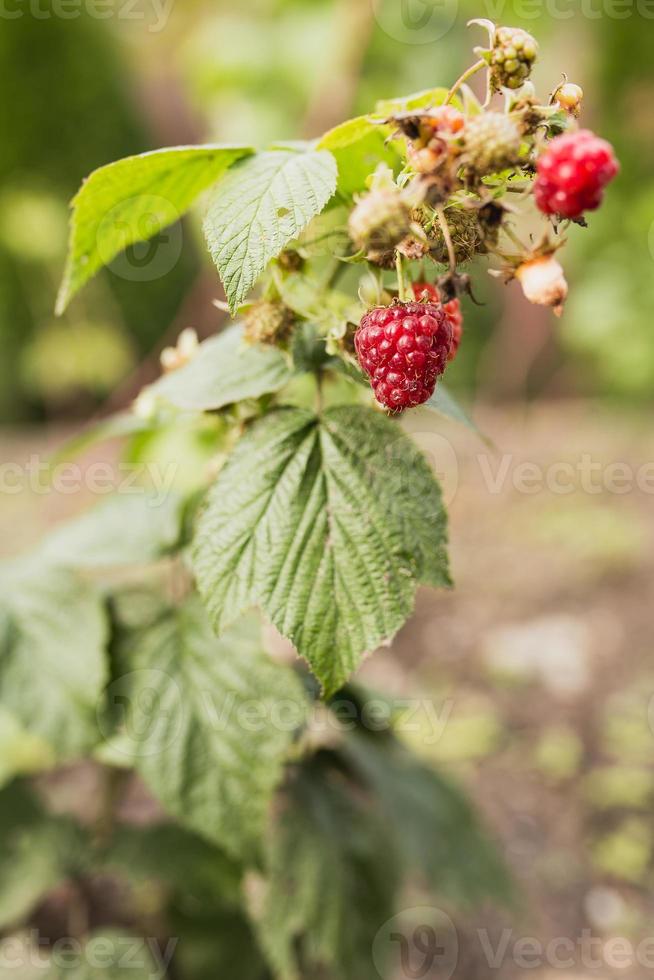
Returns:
<point x="492" y="142"/>
<point x="380" y="220"/>
<point x="268" y="323"/>
<point x="465" y="232"/>
<point x="512" y="58"/>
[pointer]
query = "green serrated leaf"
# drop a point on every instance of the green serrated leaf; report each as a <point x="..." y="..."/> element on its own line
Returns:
<point x="202" y="715"/>
<point x="126" y="529"/>
<point x="133" y="199"/>
<point x="224" y="369"/>
<point x="52" y="662"/>
<point x="262" y="204"/>
<point x="329" y="523"/>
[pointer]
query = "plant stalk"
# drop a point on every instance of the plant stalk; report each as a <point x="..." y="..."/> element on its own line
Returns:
<point x="468" y="73"/>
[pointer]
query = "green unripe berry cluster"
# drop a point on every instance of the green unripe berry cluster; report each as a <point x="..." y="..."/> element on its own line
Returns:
<point x="512" y="58"/>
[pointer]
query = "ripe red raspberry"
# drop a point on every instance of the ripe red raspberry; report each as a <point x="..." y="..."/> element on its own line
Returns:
<point x="403" y="349"/>
<point x="452" y="311"/>
<point x="572" y="174"/>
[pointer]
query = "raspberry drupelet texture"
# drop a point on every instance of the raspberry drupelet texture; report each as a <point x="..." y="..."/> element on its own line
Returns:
<point x="427" y="291"/>
<point x="572" y="174"/>
<point x="403" y="349"/>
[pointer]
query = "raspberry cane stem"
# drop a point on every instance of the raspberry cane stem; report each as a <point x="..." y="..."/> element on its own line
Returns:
<point x="401" y="284"/>
<point x="468" y="73"/>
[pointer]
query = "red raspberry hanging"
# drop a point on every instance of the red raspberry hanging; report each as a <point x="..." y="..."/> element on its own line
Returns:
<point x="403" y="349"/>
<point x="572" y="174"/>
<point x="428" y="291"/>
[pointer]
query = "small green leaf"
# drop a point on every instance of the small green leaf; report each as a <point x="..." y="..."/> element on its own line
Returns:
<point x="350" y="132"/>
<point x="52" y="659"/>
<point x="243" y="226"/>
<point x="329" y="523"/>
<point x="418" y="100"/>
<point x="447" y="406"/>
<point x="126" y="529"/>
<point x="203" y="718"/>
<point x="133" y="199"/>
<point x="114" y="427"/>
<point x="224" y="369"/>
<point x="360" y="159"/>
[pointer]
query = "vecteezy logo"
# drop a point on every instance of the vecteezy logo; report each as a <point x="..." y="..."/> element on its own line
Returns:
<point x="158" y="244"/>
<point x="417" y="944"/>
<point x="415" y="21"/>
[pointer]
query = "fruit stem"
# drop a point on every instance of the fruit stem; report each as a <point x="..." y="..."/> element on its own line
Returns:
<point x="468" y="73"/>
<point x="445" y="228"/>
<point x="401" y="284"/>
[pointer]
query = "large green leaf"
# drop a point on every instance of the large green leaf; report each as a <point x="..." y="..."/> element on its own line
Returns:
<point x="435" y="828"/>
<point x="331" y="878"/>
<point x="262" y="204"/>
<point x="129" y="528"/>
<point x="132" y="200"/>
<point x="204" y="719"/>
<point x="52" y="657"/>
<point x="224" y="369"/>
<point x="329" y="523"/>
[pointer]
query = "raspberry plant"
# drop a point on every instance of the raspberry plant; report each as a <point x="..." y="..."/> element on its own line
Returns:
<point x="296" y="493"/>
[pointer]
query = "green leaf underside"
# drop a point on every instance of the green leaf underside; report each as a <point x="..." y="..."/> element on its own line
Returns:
<point x="224" y="369"/>
<point x="263" y="203"/>
<point x="52" y="665"/>
<point x="133" y="199"/>
<point x="126" y="529"/>
<point x="203" y="721"/>
<point x="329" y="524"/>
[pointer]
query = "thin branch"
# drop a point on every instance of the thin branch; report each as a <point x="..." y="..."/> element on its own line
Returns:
<point x="468" y="73"/>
